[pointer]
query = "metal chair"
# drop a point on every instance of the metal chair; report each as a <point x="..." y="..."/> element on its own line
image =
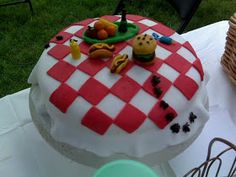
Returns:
<point x="19" y="2"/>
<point x="214" y="163"/>
<point x="185" y="8"/>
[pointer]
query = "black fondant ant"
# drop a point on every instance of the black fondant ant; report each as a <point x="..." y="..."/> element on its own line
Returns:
<point x="47" y="46"/>
<point x="186" y="128"/>
<point x="175" y="128"/>
<point x="155" y="80"/>
<point x="169" y="117"/>
<point x="157" y="91"/>
<point x="192" y="117"/>
<point x="164" y="105"/>
<point x="59" y="37"/>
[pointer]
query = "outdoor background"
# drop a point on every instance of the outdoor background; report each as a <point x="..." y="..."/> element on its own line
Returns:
<point x="23" y="35"/>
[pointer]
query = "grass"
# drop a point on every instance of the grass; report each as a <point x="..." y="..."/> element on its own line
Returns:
<point x="23" y="36"/>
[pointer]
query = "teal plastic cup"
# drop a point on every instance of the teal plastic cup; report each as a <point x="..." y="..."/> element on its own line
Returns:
<point x="125" y="168"/>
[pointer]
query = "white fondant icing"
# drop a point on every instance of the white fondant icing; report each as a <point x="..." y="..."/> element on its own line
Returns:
<point x="139" y="74"/>
<point x="162" y="53"/>
<point x="74" y="62"/>
<point x="143" y="101"/>
<point x="194" y="74"/>
<point x="77" y="79"/>
<point x="73" y="29"/>
<point x="106" y="77"/>
<point x="130" y="21"/>
<point x="176" y="99"/>
<point x="148" y="22"/>
<point x="186" y="54"/>
<point x="177" y="38"/>
<point x="105" y="105"/>
<point x="127" y="50"/>
<point x="146" y="141"/>
<point x="167" y="71"/>
<point x="150" y="31"/>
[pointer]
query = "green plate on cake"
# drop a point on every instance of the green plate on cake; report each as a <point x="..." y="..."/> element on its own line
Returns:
<point x="132" y="30"/>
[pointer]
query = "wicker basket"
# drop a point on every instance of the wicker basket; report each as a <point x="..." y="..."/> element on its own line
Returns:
<point x="228" y="60"/>
<point x="215" y="161"/>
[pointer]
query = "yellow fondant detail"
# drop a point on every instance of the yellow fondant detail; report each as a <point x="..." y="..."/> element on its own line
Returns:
<point x="75" y="49"/>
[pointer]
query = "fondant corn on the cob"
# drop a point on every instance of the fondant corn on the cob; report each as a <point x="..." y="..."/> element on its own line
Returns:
<point x="107" y="23"/>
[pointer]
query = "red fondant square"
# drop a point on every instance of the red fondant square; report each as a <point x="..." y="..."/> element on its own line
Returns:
<point x="197" y="64"/>
<point x="154" y="67"/>
<point x="172" y="47"/>
<point x="130" y="41"/>
<point x="164" y="85"/>
<point x="85" y="22"/>
<point x="142" y="27"/>
<point x="119" y="46"/>
<point x="134" y="17"/>
<point x="93" y="91"/>
<point x="162" y="29"/>
<point x="84" y="47"/>
<point x="59" y="51"/>
<point x="125" y="88"/>
<point x="158" y="115"/>
<point x="186" y="85"/>
<point x="63" y="97"/>
<point x="188" y="46"/>
<point x="61" y="71"/>
<point x="96" y="121"/>
<point x="130" y="118"/>
<point x="81" y="32"/>
<point x="91" y="66"/>
<point x="111" y="18"/>
<point x="178" y="63"/>
<point x="65" y="36"/>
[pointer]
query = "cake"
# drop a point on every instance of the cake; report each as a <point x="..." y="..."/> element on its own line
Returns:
<point x="148" y="113"/>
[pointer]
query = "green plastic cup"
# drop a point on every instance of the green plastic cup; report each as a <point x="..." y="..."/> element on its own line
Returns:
<point x="125" y="168"/>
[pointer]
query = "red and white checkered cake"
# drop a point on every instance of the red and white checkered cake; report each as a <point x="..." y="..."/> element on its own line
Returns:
<point x="103" y="113"/>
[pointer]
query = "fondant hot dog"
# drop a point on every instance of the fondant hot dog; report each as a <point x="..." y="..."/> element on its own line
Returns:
<point x="101" y="50"/>
<point x="118" y="63"/>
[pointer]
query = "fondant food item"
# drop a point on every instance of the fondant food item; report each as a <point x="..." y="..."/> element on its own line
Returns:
<point x="99" y="25"/>
<point x="102" y="34"/>
<point x="118" y="63"/>
<point x="144" y="49"/>
<point x="111" y="30"/>
<point x="166" y="40"/>
<point x="91" y="32"/>
<point x="123" y="23"/>
<point x="107" y="23"/>
<point x="75" y="49"/>
<point x="101" y="50"/>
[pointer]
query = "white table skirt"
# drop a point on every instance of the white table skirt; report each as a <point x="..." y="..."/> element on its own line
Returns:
<point x="23" y="152"/>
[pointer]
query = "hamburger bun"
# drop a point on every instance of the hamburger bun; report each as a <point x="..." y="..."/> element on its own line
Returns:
<point x="144" y="47"/>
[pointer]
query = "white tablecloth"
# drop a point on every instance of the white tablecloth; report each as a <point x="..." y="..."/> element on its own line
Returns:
<point x="23" y="153"/>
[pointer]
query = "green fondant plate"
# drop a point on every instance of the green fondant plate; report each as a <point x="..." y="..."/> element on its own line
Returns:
<point x="131" y="32"/>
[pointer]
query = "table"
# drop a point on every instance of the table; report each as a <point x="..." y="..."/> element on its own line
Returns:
<point x="24" y="153"/>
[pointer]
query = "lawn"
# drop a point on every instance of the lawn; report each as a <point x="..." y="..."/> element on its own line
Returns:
<point x="23" y="36"/>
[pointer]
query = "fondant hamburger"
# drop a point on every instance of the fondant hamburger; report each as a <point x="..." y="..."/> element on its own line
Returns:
<point x="144" y="47"/>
